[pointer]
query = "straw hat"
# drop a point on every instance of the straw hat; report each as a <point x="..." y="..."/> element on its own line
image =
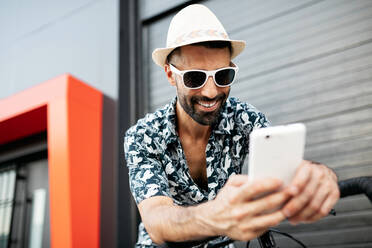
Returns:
<point x="193" y="24"/>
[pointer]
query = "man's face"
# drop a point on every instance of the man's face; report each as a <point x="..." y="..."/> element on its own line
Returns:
<point x="202" y="105"/>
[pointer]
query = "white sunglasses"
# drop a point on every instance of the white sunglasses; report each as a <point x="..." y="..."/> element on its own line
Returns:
<point x="196" y="79"/>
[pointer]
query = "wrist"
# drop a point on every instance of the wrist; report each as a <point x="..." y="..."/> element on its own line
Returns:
<point x="205" y="214"/>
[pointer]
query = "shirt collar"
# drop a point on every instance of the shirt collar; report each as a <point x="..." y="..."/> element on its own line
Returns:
<point x="170" y="125"/>
<point x="225" y="123"/>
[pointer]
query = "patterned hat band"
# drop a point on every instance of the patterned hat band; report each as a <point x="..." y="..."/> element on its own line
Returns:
<point x="199" y="36"/>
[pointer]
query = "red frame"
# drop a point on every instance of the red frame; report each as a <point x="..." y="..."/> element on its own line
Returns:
<point x="71" y="113"/>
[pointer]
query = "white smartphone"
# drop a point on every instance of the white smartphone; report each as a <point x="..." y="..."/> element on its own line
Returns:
<point x="276" y="152"/>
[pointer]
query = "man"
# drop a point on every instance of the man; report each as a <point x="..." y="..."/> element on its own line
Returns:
<point x="184" y="160"/>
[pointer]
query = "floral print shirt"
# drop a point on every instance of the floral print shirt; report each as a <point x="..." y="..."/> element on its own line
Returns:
<point x="157" y="164"/>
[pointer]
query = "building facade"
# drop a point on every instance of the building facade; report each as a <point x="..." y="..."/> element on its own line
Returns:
<point x="305" y="61"/>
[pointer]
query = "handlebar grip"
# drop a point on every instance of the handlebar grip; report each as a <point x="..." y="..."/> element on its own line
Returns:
<point x="355" y="186"/>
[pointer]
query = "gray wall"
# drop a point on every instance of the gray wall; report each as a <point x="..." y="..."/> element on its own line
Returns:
<point x="44" y="39"/>
<point x="306" y="61"/>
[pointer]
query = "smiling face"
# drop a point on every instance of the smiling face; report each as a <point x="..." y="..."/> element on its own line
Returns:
<point x="202" y="105"/>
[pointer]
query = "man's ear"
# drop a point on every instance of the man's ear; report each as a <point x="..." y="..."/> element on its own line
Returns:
<point x="170" y="75"/>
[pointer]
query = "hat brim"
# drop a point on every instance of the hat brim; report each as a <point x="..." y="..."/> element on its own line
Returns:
<point x="159" y="55"/>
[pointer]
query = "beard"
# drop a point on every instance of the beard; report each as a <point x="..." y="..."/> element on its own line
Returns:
<point x="206" y="118"/>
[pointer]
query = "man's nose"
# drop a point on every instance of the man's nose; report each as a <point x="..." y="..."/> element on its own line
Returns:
<point x="209" y="89"/>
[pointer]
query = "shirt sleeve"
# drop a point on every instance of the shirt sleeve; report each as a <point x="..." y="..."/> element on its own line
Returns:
<point x="147" y="177"/>
<point x="261" y="121"/>
<point x="251" y="118"/>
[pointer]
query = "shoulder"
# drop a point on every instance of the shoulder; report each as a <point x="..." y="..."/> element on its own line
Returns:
<point x="151" y="122"/>
<point x="148" y="131"/>
<point x="245" y="114"/>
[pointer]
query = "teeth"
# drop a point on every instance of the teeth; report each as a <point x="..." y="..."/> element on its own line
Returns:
<point x="208" y="105"/>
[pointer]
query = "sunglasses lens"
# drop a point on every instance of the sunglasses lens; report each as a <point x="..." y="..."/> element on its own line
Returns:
<point x="194" y="79"/>
<point x="225" y="77"/>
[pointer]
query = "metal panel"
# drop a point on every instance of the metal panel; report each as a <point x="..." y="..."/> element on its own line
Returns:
<point x="307" y="61"/>
<point x="150" y="8"/>
<point x="127" y="216"/>
<point x="160" y="91"/>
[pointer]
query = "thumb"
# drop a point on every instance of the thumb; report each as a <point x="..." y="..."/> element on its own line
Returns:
<point x="237" y="180"/>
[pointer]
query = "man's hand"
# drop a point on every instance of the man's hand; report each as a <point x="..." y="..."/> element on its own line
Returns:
<point x="316" y="192"/>
<point x="237" y="214"/>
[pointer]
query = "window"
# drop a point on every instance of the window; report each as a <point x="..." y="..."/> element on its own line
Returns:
<point x="24" y="193"/>
<point x="7" y="189"/>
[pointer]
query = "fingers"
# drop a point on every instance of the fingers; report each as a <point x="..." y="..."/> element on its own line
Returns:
<point x="268" y="203"/>
<point x="246" y="234"/>
<point x="328" y="203"/>
<point x="312" y="209"/>
<point x="256" y="189"/>
<point x="232" y="188"/>
<point x="237" y="180"/>
<point x="264" y="205"/>
<point x="311" y="195"/>
<point x="316" y="198"/>
<point x="301" y="178"/>
<point x="316" y="203"/>
<point x="268" y="220"/>
<point x="253" y="227"/>
<point x="237" y="209"/>
<point x="250" y="190"/>
<point x="307" y="191"/>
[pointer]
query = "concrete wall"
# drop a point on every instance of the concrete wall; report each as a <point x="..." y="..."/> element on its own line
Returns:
<point x="41" y="39"/>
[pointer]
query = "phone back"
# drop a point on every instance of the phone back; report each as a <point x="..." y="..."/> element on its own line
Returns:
<point x="276" y="151"/>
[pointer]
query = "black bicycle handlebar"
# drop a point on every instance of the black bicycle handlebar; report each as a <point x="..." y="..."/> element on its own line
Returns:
<point x="353" y="186"/>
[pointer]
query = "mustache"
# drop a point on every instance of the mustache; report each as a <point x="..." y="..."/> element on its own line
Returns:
<point x="196" y="99"/>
